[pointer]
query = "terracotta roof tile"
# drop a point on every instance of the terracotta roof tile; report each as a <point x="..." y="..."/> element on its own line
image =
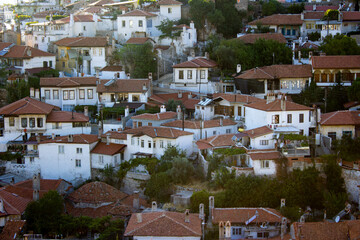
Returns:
<point x="196" y="124"/>
<point x="64" y="116"/>
<point x="68" y="82"/>
<point x="77" y="139"/>
<point x="279" y="19"/>
<point x="138" y="13"/>
<point x="124" y="86"/>
<point x="340" y="118"/>
<point x="19" y="51"/>
<point x="199" y="62"/>
<point x="138" y="40"/>
<point x="182" y="25"/>
<point x="4" y="45"/>
<point x="314" y="15"/>
<point x="260" y="131"/>
<point x="265" y="155"/>
<point x="13" y="203"/>
<point x="223" y="140"/>
<point x="44" y="14"/>
<point x="12" y="229"/>
<point x="277" y="71"/>
<point x="241" y="215"/>
<point x="108" y="149"/>
<point x="336" y="62"/>
<point x="251" y="38"/>
<point x="275" y="106"/>
<point x="164" y="224"/>
<point x="156" y="116"/>
<point x="112" y="69"/>
<point x="101" y="2"/>
<point x="77" y="18"/>
<point x="93" y="9"/>
<point x="82" y="42"/>
<point x="351" y="16"/>
<point x="237" y="97"/>
<point x="27" y="105"/>
<point x="157" y="132"/>
<point x="115" y="135"/>
<point x="169" y="2"/>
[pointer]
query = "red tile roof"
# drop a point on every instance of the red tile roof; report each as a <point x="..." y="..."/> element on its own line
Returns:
<point x="27" y="105"/>
<point x="182" y="25"/>
<point x="197" y="124"/>
<point x="138" y="13"/>
<point x="275" y="106"/>
<point x="138" y="40"/>
<point x="12" y="229"/>
<point x="223" y="140"/>
<point x="265" y="155"/>
<point x="44" y="14"/>
<point x="169" y="2"/>
<point x="241" y="215"/>
<point x="340" y="118"/>
<point x="336" y="62"/>
<point x="68" y="82"/>
<point x="277" y="71"/>
<point x="77" y="139"/>
<point x="93" y="9"/>
<point x="82" y="42"/>
<point x="199" y="62"/>
<point x="351" y="16"/>
<point x="156" y="116"/>
<point x="314" y="15"/>
<point x="124" y="86"/>
<point x="77" y="18"/>
<point x="189" y="103"/>
<point x="260" y="131"/>
<point x="237" y="97"/>
<point x="25" y="52"/>
<point x="112" y="69"/>
<point x="13" y="203"/>
<point x="101" y="2"/>
<point x="164" y="224"/>
<point x="351" y="104"/>
<point x="64" y="116"/>
<point x="279" y="19"/>
<point x="251" y="38"/>
<point x="115" y="135"/>
<point x="157" y="132"/>
<point x="108" y="149"/>
<point x="4" y="45"/>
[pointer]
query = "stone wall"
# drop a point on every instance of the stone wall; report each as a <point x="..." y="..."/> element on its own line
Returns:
<point x="352" y="180"/>
<point x="133" y="181"/>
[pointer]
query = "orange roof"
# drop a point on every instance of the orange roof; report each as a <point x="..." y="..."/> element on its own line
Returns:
<point x="241" y="215"/>
<point x="112" y="69"/>
<point x="351" y="16"/>
<point x="156" y="116"/>
<point x="108" y="149"/>
<point x="44" y="14"/>
<point x="13" y="203"/>
<point x="12" y="229"/>
<point x="251" y="38"/>
<point x="277" y="71"/>
<point x="200" y="62"/>
<point x="124" y="85"/>
<point x="77" y="18"/>
<point x="237" y="97"/>
<point x="197" y="124"/>
<point x="164" y="224"/>
<point x="77" y="139"/>
<point x="138" y="40"/>
<point x="138" y="13"/>
<point x="345" y="117"/>
<point x="279" y="19"/>
<point x="19" y="51"/>
<point x="275" y="106"/>
<point x="68" y="82"/>
<point x="82" y="42"/>
<point x="223" y="140"/>
<point x="169" y="2"/>
<point x="65" y="116"/>
<point x="265" y="155"/>
<point x="115" y="135"/>
<point x="336" y="62"/>
<point x="157" y="132"/>
<point x="260" y="131"/>
<point x="27" y="105"/>
<point x="314" y="15"/>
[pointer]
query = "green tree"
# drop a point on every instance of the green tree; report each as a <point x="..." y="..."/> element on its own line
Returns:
<point x="312" y="94"/>
<point x="272" y="7"/>
<point x="354" y="91"/>
<point x="331" y="14"/>
<point x="296" y="8"/>
<point x="199" y="12"/>
<point x="197" y="198"/>
<point x="337" y="96"/>
<point x="168" y="30"/>
<point x="182" y="170"/>
<point x="159" y="187"/>
<point x="17" y="90"/>
<point x="172" y="104"/>
<point x="222" y="177"/>
<point x="339" y="45"/>
<point x="347" y="148"/>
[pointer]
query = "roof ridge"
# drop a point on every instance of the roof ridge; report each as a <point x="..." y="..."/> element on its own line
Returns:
<point x="151" y="221"/>
<point x="265" y="209"/>
<point x="332" y="115"/>
<point x="9" y="203"/>
<point x="181" y="223"/>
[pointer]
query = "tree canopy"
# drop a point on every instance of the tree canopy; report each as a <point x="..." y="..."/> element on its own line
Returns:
<point x="339" y="45"/>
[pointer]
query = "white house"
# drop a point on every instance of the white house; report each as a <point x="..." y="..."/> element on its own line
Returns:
<point x="107" y="153"/>
<point x="170" y="9"/>
<point x="264" y="162"/>
<point x="154" y="119"/>
<point x="25" y="58"/>
<point x="193" y="75"/>
<point x="260" y="138"/>
<point x="280" y="115"/>
<point x="109" y="72"/>
<point x="204" y="129"/>
<point x="67" y="157"/>
<point x="67" y="92"/>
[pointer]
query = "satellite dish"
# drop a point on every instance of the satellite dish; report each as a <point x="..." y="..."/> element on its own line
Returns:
<point x="337" y="219"/>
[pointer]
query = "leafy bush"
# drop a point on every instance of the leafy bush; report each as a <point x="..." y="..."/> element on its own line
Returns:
<point x="197" y="198"/>
<point x="314" y="36"/>
<point x="159" y="187"/>
<point x="28" y="23"/>
<point x="113" y="112"/>
<point x="230" y="151"/>
<point x="182" y="170"/>
<point x="55" y="17"/>
<point x="294" y="137"/>
<point x="22" y="17"/>
<point x="291" y="213"/>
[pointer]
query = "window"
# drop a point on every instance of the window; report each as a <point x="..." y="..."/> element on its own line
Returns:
<point x="31" y="122"/>
<point x="301" y="132"/>
<point x="138" y="141"/>
<point x="61" y="149"/>
<point x="82" y="93"/>
<point x="11" y="121"/>
<point x="55" y="94"/>
<point x="149" y="124"/>
<point x="101" y="159"/>
<point x="189" y="74"/>
<point x="45" y="64"/>
<point x="40" y="123"/>
<point x="77" y="163"/>
<point x="202" y="74"/>
<point x="79" y="150"/>
<point x="262" y="234"/>
<point x="140" y="23"/>
<point x="161" y="144"/>
<point x="62" y="53"/>
<point x="228" y="130"/>
<point x="123" y="23"/>
<point x="275" y="119"/>
<point x="84" y="28"/>
<point x="347" y="133"/>
<point x="214" y="132"/>
<point x="142" y="143"/>
<point x="332" y="135"/>
<point x="90" y="94"/>
<point x="181" y="74"/>
<point x="23" y="122"/>
<point x="264" y="142"/>
<point x="154" y="144"/>
<point x="236" y="231"/>
<point x="47" y="94"/>
<point x="50" y="64"/>
<point x="265" y="164"/>
<point x="149" y="144"/>
<point x="32" y="159"/>
<point x="132" y="141"/>
<point x="289" y="118"/>
<point x="131" y="23"/>
<point x="100" y="51"/>
<point x="149" y="23"/>
<point x="139" y="124"/>
<point x="135" y="98"/>
<point x="72" y="94"/>
<point x="63" y="64"/>
<point x="65" y="95"/>
<point x="169" y="10"/>
<point x="301" y="118"/>
<point x="56" y="126"/>
<point x="168" y="143"/>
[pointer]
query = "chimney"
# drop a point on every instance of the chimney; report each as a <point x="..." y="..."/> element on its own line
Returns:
<point x="192" y="53"/>
<point x="113" y="44"/>
<point x="100" y="131"/>
<point x="310" y="55"/>
<point x="187" y="216"/>
<point x="108" y="139"/>
<point x="283" y="103"/>
<point x="97" y="73"/>
<point x="86" y="111"/>
<point x="153" y="206"/>
<point x="283" y="227"/>
<point x="136" y="200"/>
<point x="35" y="195"/>
<point x="211" y="207"/>
<point x="127" y="111"/>
<point x="238" y="68"/>
<point x="207" y="55"/>
<point x="53" y="136"/>
<point x="28" y="52"/>
<point x="221" y="122"/>
<point x="180" y="94"/>
<point x="178" y="111"/>
<point x="299" y="55"/>
<point x="162" y="109"/>
<point x="128" y="75"/>
<point x="201" y="211"/>
<point x="32" y="92"/>
<point x="192" y="25"/>
<point x="144" y="88"/>
<point x="356" y="165"/>
<point x="2" y="205"/>
<point x="270" y="98"/>
<point x="70" y="138"/>
<point x="282" y="203"/>
<point x="37" y="94"/>
<point x="228" y="230"/>
<point x="150" y="76"/>
<point x="71" y="23"/>
<point x="302" y="16"/>
<point x="139" y="217"/>
<point x="221" y="230"/>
